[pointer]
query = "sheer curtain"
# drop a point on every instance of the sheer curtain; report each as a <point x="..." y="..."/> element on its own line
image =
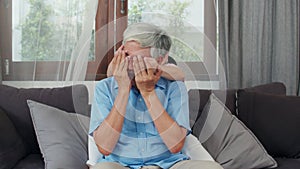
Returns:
<point x="79" y="60"/>
<point x="259" y="42"/>
<point x="53" y="38"/>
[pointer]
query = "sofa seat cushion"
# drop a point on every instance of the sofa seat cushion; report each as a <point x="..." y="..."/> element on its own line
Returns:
<point x="14" y="102"/>
<point x="32" y="161"/>
<point x="287" y="163"/>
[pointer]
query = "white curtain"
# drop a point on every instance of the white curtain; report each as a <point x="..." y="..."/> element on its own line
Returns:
<point x="53" y="36"/>
<point x="79" y="60"/>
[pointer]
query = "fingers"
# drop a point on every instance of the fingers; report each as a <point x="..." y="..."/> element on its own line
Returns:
<point x="136" y="67"/>
<point x="158" y="73"/>
<point x="151" y="65"/>
<point x="120" y="66"/>
<point x="118" y="58"/>
<point x="145" y="66"/>
<point x="126" y="65"/>
<point x="123" y="60"/>
<point x="142" y="65"/>
<point x="117" y="53"/>
<point x="121" y="48"/>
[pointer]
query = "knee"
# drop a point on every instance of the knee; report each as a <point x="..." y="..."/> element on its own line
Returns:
<point x="107" y="165"/>
<point x="210" y="165"/>
<point x="215" y="165"/>
<point x="196" y="164"/>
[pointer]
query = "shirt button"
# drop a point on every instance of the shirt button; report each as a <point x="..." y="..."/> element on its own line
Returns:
<point x="139" y="118"/>
<point x="140" y="99"/>
<point x="143" y="150"/>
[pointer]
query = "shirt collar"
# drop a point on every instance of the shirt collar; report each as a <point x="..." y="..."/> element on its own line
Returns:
<point x="162" y="83"/>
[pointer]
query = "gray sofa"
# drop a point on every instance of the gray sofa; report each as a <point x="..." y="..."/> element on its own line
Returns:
<point x="20" y="148"/>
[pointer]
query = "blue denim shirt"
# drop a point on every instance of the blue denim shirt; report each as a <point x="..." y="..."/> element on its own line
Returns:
<point x="140" y="143"/>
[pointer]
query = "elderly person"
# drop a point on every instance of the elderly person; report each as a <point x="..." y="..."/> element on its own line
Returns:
<point x="140" y="119"/>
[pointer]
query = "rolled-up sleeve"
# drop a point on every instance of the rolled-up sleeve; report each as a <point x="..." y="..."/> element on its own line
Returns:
<point x="178" y="107"/>
<point x="101" y="106"/>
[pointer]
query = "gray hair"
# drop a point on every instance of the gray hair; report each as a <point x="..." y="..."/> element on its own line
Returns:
<point x="148" y="35"/>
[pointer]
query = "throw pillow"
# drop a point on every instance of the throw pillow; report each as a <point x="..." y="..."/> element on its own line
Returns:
<point x="14" y="101"/>
<point x="94" y="154"/>
<point x="62" y="136"/>
<point x="194" y="149"/>
<point x="275" y="120"/>
<point x="228" y="140"/>
<point x="12" y="148"/>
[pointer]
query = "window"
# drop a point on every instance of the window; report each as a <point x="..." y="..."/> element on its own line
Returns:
<point x="54" y="24"/>
<point x="192" y="26"/>
<point x="184" y="20"/>
<point x="46" y="31"/>
<point x="195" y="45"/>
<point x="40" y="37"/>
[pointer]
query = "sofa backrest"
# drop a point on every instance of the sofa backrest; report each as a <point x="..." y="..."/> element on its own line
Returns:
<point x="14" y="102"/>
<point x="199" y="97"/>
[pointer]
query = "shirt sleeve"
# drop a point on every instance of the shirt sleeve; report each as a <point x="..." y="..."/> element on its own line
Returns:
<point x="101" y="106"/>
<point x="178" y="107"/>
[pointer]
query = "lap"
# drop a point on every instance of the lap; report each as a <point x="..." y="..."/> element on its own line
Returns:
<point x="108" y="165"/>
<point x="191" y="164"/>
<point x="196" y="164"/>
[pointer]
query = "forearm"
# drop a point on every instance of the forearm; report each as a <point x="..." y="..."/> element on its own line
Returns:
<point x="172" y="72"/>
<point x="107" y="134"/>
<point x="171" y="133"/>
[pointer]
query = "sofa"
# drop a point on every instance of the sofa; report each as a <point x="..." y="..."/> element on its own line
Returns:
<point x="22" y="146"/>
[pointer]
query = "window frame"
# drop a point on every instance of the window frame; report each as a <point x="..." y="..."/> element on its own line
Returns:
<point x="45" y="70"/>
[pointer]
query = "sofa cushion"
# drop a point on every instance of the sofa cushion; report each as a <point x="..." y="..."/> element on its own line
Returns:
<point x="287" y="163"/>
<point x="198" y="98"/>
<point x="228" y="140"/>
<point x="274" y="119"/>
<point x="32" y="161"/>
<point x="13" y="101"/>
<point x="62" y="136"/>
<point x="12" y="147"/>
<point x="276" y="88"/>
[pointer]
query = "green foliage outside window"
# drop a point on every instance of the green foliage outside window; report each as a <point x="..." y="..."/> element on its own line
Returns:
<point x="178" y="10"/>
<point x="37" y="32"/>
<point x="50" y="34"/>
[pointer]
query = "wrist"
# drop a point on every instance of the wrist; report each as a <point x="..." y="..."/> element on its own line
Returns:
<point x="123" y="91"/>
<point x="147" y="94"/>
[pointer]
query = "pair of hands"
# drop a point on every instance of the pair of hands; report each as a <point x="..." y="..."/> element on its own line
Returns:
<point x="146" y="70"/>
